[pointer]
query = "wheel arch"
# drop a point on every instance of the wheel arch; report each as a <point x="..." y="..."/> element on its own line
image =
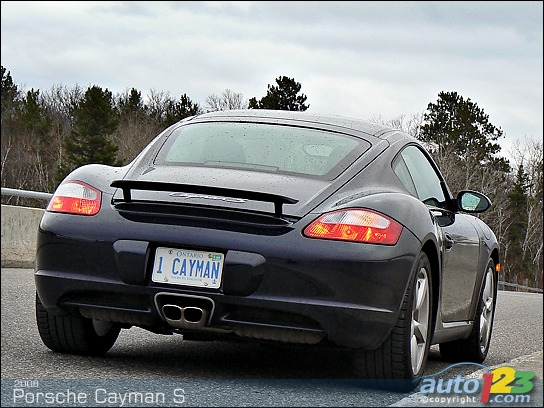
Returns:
<point x="431" y="251"/>
<point x="496" y="258"/>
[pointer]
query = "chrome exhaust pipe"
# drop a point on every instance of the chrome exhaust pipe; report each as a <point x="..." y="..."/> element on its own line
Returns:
<point x="193" y="315"/>
<point x="172" y="313"/>
<point x="189" y="317"/>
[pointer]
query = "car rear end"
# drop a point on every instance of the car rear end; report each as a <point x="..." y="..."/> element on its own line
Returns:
<point x="216" y="248"/>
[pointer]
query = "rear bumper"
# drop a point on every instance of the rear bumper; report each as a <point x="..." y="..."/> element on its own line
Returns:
<point x="349" y="295"/>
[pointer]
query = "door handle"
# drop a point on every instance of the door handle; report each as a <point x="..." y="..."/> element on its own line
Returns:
<point x="448" y="240"/>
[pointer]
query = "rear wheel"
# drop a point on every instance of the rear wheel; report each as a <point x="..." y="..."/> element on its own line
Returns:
<point x="75" y="334"/>
<point x="476" y="346"/>
<point x="400" y="360"/>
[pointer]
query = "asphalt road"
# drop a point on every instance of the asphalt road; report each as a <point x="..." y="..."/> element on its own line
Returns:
<point x="171" y="372"/>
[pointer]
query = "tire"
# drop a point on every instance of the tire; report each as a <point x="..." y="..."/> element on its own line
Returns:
<point x="476" y="346"/>
<point x="74" y="334"/>
<point x="400" y="360"/>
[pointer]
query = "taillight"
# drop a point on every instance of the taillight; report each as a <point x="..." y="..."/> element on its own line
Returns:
<point x="357" y="225"/>
<point x="75" y="197"/>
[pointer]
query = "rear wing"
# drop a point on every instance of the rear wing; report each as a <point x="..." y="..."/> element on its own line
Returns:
<point x="128" y="185"/>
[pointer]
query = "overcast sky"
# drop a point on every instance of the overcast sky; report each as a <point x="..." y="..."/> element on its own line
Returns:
<point x="360" y="59"/>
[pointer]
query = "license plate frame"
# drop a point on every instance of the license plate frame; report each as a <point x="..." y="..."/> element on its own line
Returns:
<point x="188" y="267"/>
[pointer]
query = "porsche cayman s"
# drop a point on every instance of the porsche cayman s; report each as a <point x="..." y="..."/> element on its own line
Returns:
<point x="271" y="226"/>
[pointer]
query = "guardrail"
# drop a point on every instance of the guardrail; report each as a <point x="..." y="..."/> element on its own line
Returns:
<point x="26" y="193"/>
<point x="47" y="196"/>
<point x="523" y="288"/>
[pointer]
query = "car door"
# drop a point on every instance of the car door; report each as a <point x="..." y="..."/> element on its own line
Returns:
<point x="460" y="251"/>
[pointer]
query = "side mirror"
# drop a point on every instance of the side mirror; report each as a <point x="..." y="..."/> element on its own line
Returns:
<point x="472" y="202"/>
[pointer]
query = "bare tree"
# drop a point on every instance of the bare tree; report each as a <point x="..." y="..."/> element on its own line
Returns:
<point x="133" y="134"/>
<point x="528" y="153"/>
<point x="157" y="105"/>
<point x="227" y="101"/>
<point x="407" y="124"/>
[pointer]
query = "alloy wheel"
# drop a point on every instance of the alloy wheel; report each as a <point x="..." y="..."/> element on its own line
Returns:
<point x="486" y="317"/>
<point x="420" y="320"/>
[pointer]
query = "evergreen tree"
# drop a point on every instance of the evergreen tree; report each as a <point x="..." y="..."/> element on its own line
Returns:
<point x="175" y="111"/>
<point x="458" y="128"/>
<point x="131" y="104"/>
<point x="518" y="260"/>
<point x="11" y="101"/>
<point x="34" y="116"/>
<point x="95" y="120"/>
<point x="10" y="95"/>
<point x="281" y="97"/>
<point x="12" y="174"/>
<point x="137" y="127"/>
<point x="43" y="148"/>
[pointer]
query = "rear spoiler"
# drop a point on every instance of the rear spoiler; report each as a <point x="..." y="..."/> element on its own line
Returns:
<point x="128" y="185"/>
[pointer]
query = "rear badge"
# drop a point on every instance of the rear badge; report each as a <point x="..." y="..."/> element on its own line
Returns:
<point x="208" y="197"/>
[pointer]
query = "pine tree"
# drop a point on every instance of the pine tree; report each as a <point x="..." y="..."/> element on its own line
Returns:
<point x="185" y="107"/>
<point x="34" y="116"/>
<point x="10" y="95"/>
<point x="131" y="104"/>
<point x="281" y="97"/>
<point x="95" y="120"/>
<point x="459" y="129"/>
<point x="518" y="260"/>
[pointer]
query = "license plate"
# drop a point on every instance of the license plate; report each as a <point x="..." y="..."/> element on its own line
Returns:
<point x="187" y="267"/>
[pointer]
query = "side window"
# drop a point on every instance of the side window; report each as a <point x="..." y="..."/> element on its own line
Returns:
<point x="421" y="177"/>
<point x="404" y="175"/>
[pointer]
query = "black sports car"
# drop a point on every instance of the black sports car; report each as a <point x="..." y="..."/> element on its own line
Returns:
<point x="271" y="226"/>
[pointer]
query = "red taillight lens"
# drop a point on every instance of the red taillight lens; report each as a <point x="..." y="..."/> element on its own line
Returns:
<point x="75" y="197"/>
<point x="355" y="225"/>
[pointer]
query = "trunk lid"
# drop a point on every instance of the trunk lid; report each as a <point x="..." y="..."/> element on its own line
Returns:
<point x="236" y="189"/>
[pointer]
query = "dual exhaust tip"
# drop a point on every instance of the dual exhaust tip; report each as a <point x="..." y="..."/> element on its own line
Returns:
<point x="188" y="317"/>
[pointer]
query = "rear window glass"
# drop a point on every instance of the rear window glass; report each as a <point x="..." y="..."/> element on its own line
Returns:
<point x="264" y="147"/>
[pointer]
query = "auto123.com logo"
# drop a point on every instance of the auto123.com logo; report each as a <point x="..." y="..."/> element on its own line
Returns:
<point x="500" y="385"/>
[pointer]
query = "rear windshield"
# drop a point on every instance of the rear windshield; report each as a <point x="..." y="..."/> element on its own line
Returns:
<point x="262" y="147"/>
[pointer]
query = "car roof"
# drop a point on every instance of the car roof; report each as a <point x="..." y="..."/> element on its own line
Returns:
<point x="302" y="118"/>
